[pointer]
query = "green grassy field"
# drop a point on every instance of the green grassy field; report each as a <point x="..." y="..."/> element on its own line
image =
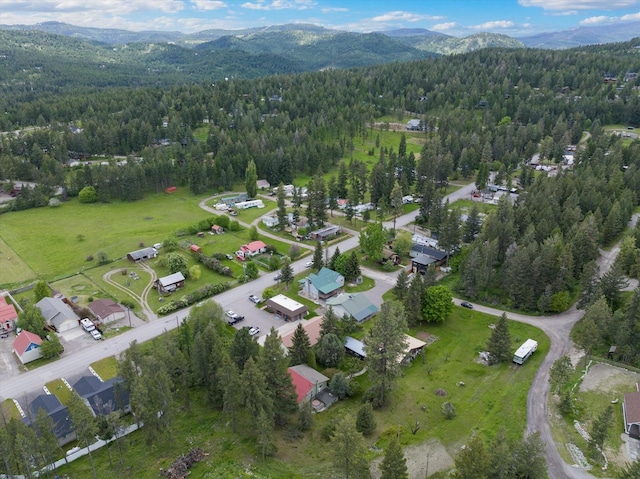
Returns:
<point x="9" y="409"/>
<point x="492" y="398"/>
<point x="13" y="270"/>
<point x="55" y="242"/>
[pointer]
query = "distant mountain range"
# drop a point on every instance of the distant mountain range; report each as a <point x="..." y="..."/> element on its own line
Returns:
<point x="54" y="56"/>
<point x="307" y="34"/>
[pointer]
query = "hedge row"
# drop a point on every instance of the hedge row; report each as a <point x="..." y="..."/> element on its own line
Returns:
<point x="213" y="264"/>
<point x="206" y="291"/>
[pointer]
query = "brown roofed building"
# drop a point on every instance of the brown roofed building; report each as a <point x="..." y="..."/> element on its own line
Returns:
<point x="631" y="411"/>
<point x="311" y="327"/>
<point x="106" y="311"/>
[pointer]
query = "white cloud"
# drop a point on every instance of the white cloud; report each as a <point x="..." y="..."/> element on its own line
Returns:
<point x="599" y="20"/>
<point x="279" y="5"/>
<point x="494" y="24"/>
<point x="400" y="16"/>
<point x="208" y="4"/>
<point x="443" y="26"/>
<point x="109" y="7"/>
<point x="578" y="4"/>
<point x="631" y="17"/>
<point x="565" y="13"/>
<point x="334" y="9"/>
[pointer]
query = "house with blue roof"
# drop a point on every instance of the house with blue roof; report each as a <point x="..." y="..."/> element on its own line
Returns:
<point x="324" y="285"/>
<point x="356" y="305"/>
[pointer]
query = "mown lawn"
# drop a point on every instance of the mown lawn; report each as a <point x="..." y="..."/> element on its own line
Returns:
<point x="9" y="409"/>
<point x="55" y="242"/>
<point x="80" y="286"/>
<point x="106" y="368"/>
<point x="60" y="390"/>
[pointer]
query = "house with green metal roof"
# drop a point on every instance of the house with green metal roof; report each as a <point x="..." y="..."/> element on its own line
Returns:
<point x="324" y="285"/>
<point x="356" y="305"/>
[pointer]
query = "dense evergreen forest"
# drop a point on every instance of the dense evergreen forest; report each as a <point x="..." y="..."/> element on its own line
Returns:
<point x="489" y="110"/>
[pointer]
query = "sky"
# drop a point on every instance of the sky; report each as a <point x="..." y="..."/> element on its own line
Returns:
<point x="452" y="17"/>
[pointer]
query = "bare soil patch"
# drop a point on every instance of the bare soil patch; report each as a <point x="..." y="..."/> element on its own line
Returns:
<point x="422" y="460"/>
<point x="604" y="377"/>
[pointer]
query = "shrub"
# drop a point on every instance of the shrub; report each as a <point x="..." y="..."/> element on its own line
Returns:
<point x="448" y="410"/>
<point x="102" y="257"/>
<point x="372" y="395"/>
<point x="89" y="258"/>
<point x="219" y="256"/>
<point x="268" y="293"/>
<point x="365" y="421"/>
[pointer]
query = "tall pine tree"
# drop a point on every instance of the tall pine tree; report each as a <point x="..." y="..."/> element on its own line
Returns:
<point x="499" y="344"/>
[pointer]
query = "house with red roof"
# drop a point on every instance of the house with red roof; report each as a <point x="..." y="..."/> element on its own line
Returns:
<point x="307" y="381"/>
<point x="27" y="347"/>
<point x="251" y="249"/>
<point x="8" y="316"/>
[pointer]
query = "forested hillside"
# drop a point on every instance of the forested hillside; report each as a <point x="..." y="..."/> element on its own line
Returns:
<point x="489" y="110"/>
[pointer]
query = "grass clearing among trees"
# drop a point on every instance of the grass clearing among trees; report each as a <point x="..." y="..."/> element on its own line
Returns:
<point x="492" y="397"/>
<point x="55" y="242"/>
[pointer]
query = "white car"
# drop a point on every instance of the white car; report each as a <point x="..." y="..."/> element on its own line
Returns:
<point x="87" y="325"/>
<point x="96" y="334"/>
<point x="253" y="330"/>
<point x="308" y="264"/>
<point x="255" y="299"/>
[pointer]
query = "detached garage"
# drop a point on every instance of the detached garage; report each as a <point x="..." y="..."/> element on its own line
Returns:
<point x="287" y="308"/>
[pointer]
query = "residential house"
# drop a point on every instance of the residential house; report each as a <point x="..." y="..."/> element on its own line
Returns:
<point x="420" y="263"/>
<point x="142" y="254"/>
<point x="103" y="397"/>
<point x="421" y="249"/>
<point x="106" y="310"/>
<point x="325" y="233"/>
<point x="631" y="412"/>
<point x="413" y="347"/>
<point x="307" y="381"/>
<point x="251" y="249"/>
<point x="169" y="284"/>
<point x="286" y="308"/>
<point x="326" y="284"/>
<point x="27" y="347"/>
<point x="8" y="316"/>
<point x="217" y="229"/>
<point x="263" y="184"/>
<point x="58" y="314"/>
<point x="414" y="125"/>
<point x="62" y="426"/>
<point x="355" y="305"/>
<point x="312" y="328"/>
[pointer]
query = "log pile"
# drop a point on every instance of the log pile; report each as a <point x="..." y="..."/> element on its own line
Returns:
<point x="180" y="467"/>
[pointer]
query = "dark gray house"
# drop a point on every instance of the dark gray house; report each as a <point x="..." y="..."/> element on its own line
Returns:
<point x="59" y="414"/>
<point x="103" y="397"/>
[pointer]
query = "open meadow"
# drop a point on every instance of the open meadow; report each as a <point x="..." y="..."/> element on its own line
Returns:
<point x="492" y="397"/>
<point x="55" y="242"/>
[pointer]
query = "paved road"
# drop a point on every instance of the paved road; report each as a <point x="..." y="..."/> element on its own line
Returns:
<point x="556" y="327"/>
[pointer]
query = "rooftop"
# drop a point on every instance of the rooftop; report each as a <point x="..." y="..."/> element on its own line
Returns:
<point x="171" y="279"/>
<point x="286" y="302"/>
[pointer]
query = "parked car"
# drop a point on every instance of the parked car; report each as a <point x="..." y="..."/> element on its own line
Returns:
<point x="233" y="212"/>
<point x="96" y="334"/>
<point x="466" y="304"/>
<point x="229" y="256"/>
<point x="308" y="264"/>
<point x="233" y="317"/>
<point x="277" y="277"/>
<point x="255" y="299"/>
<point x="253" y="330"/>
<point x="87" y="325"/>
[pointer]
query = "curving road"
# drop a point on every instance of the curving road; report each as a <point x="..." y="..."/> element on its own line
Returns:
<point x="556" y="327"/>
